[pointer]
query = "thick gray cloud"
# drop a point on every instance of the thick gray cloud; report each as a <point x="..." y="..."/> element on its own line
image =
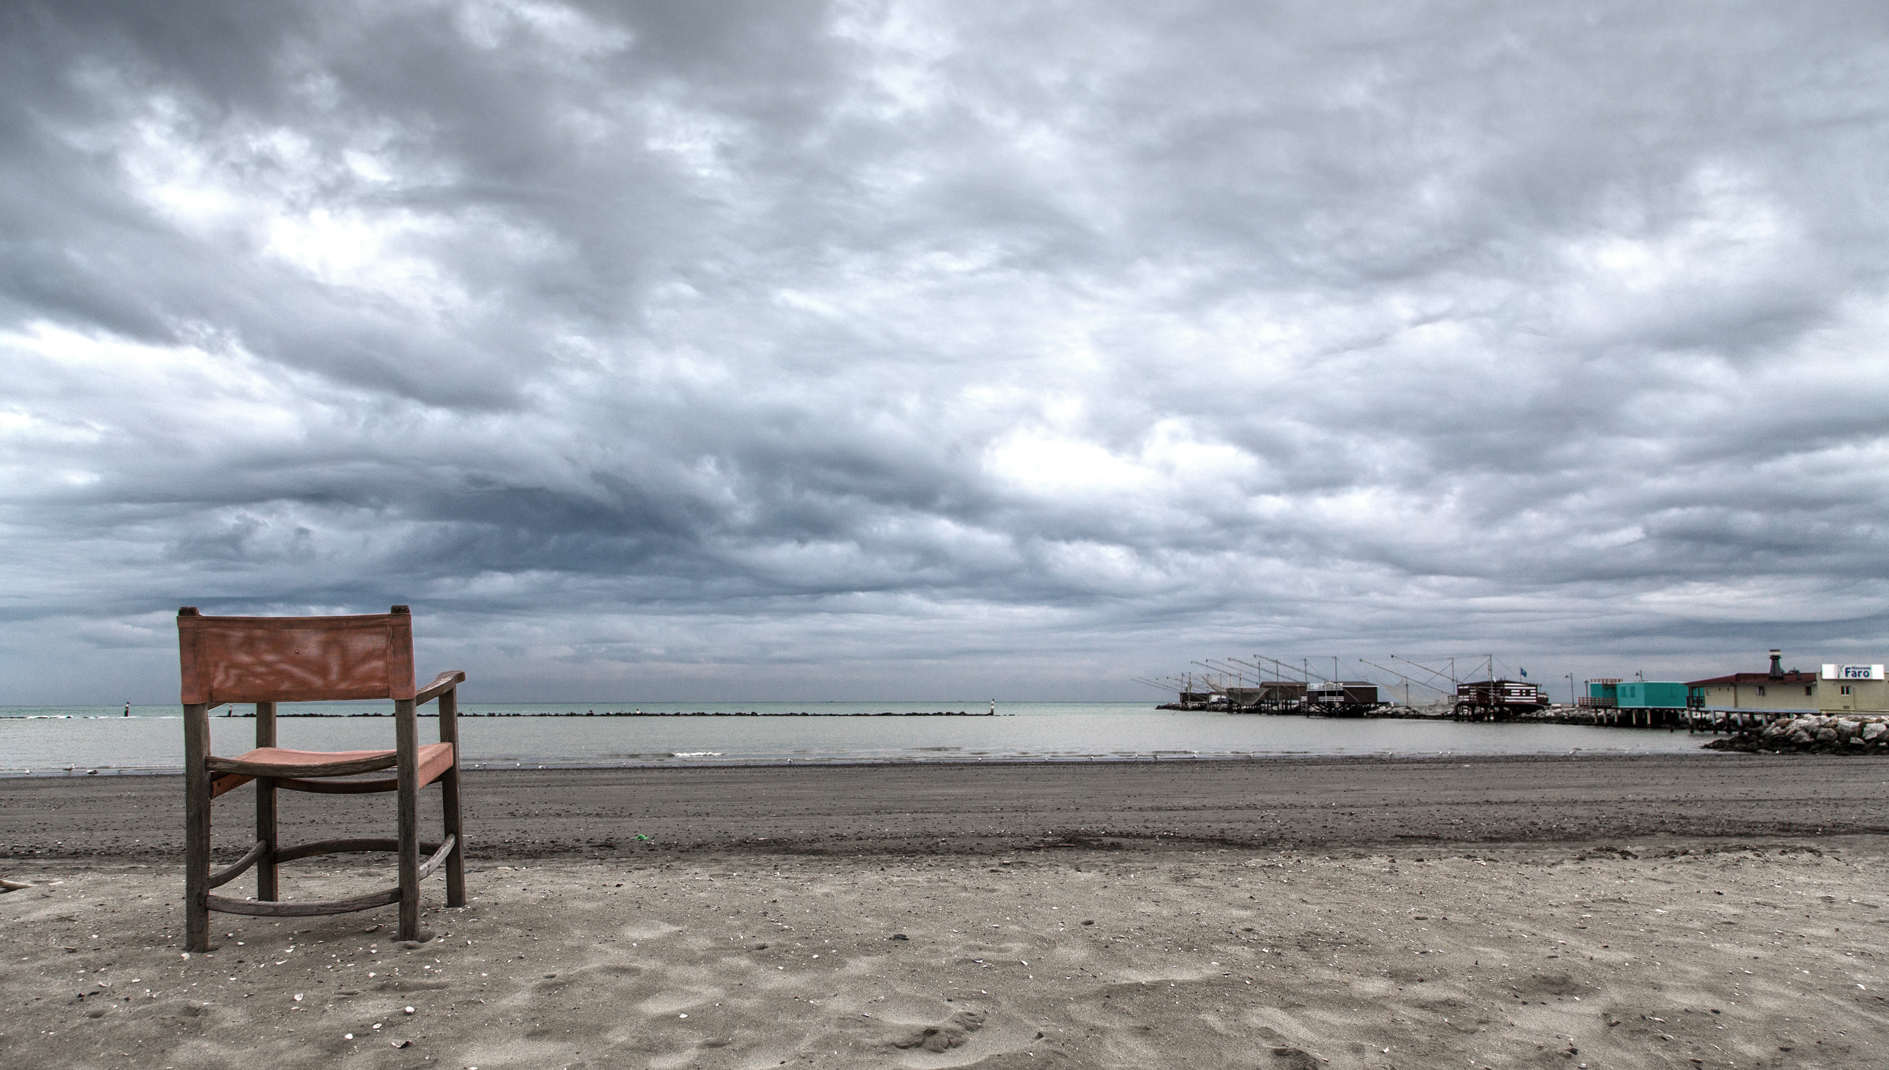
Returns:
<point x="879" y="349"/>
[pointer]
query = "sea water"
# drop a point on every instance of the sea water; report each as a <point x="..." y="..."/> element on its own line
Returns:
<point x="78" y="740"/>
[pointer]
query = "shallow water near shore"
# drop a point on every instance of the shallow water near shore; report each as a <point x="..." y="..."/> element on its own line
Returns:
<point x="73" y="740"/>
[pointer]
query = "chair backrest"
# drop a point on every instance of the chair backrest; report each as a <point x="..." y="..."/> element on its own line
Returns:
<point x="295" y="659"/>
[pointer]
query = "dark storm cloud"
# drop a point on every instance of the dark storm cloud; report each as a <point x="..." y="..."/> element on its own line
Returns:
<point x="815" y="350"/>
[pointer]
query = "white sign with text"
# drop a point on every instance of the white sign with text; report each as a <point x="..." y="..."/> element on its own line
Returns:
<point x="1852" y="672"/>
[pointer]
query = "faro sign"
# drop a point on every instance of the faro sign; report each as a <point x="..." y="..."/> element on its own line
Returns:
<point x="1852" y="672"/>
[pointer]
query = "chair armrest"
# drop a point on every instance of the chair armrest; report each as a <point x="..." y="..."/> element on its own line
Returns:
<point x="441" y="684"/>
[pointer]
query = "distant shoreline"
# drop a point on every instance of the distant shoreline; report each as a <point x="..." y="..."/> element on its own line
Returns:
<point x="640" y="713"/>
<point x="281" y="714"/>
<point x="530" y="767"/>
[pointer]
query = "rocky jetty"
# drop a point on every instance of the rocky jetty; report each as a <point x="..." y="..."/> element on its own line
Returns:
<point x="1815" y="734"/>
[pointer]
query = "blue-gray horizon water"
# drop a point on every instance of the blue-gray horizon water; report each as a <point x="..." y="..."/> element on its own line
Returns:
<point x="77" y="740"/>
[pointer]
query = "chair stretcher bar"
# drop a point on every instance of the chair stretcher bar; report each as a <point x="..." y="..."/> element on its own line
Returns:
<point x="314" y="907"/>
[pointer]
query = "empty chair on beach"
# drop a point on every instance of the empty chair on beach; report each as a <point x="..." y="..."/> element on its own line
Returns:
<point x="266" y="660"/>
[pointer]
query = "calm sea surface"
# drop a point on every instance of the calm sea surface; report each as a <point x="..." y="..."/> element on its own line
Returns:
<point x="70" y="740"/>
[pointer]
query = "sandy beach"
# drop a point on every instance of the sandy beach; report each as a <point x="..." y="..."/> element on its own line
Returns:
<point x="1657" y="912"/>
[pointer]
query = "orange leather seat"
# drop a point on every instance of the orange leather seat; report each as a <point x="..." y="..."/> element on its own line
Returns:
<point x="435" y="760"/>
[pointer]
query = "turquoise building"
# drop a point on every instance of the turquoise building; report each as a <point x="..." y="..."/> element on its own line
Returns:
<point x="1650" y="695"/>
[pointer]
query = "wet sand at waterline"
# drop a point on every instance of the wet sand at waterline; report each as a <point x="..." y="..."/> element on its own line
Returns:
<point x="1712" y="911"/>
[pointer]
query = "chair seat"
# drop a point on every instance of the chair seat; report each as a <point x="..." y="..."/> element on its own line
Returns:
<point x="434" y="760"/>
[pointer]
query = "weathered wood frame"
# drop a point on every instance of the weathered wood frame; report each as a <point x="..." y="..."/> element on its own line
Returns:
<point x="205" y="688"/>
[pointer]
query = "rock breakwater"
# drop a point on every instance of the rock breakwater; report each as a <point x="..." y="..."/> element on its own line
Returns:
<point x="1814" y="734"/>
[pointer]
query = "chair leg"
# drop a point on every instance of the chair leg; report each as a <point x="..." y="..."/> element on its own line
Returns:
<point x="196" y="828"/>
<point x="266" y="887"/>
<point x="455" y="862"/>
<point x="407" y="745"/>
<point x="449" y="801"/>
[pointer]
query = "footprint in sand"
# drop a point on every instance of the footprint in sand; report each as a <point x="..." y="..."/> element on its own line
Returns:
<point x="1553" y="984"/>
<point x="644" y="931"/>
<point x="951" y="1034"/>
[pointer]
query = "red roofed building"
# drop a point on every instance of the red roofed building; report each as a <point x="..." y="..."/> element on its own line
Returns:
<point x="1836" y="689"/>
<point x="1757" y="691"/>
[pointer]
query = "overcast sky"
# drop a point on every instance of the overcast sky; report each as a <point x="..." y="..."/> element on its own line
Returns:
<point x="773" y="350"/>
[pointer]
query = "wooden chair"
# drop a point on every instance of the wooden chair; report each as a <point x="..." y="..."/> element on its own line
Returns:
<point x="266" y="660"/>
